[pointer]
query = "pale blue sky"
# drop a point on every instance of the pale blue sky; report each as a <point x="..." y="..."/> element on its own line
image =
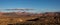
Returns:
<point x="38" y="5"/>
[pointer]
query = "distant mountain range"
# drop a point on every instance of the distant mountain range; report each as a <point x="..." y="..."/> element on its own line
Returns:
<point x="28" y="14"/>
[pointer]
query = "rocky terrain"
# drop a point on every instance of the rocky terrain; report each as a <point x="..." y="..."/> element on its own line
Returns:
<point x="24" y="18"/>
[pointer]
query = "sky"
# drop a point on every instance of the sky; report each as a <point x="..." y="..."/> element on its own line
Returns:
<point x="38" y="5"/>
